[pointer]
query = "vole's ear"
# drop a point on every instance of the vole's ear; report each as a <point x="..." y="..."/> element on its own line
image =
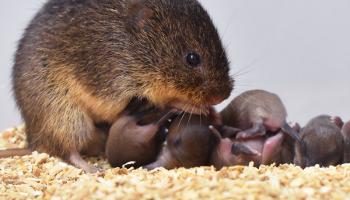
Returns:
<point x="138" y="14"/>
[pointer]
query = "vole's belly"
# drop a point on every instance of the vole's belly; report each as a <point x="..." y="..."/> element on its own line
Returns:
<point x="101" y="110"/>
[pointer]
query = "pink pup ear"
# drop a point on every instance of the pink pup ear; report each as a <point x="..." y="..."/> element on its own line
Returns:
<point x="296" y="126"/>
<point x="337" y="121"/>
<point x="138" y="14"/>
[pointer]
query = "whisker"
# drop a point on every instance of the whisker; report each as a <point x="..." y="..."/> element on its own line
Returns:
<point x="183" y="114"/>
<point x="165" y="116"/>
<point x="240" y="74"/>
<point x="240" y="83"/>
<point x="228" y="26"/>
<point x="200" y="117"/>
<point x="188" y="121"/>
<point x="246" y="68"/>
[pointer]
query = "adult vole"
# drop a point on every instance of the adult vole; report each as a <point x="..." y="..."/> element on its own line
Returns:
<point x="80" y="62"/>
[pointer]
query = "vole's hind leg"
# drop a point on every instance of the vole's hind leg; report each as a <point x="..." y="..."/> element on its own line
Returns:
<point x="75" y="159"/>
<point x="75" y="132"/>
<point x="258" y="129"/>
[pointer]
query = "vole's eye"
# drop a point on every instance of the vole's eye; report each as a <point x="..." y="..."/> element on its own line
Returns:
<point x="193" y="59"/>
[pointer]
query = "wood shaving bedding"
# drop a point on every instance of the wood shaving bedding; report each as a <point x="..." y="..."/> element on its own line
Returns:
<point x="40" y="176"/>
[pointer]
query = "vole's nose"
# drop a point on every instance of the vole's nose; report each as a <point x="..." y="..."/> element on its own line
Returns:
<point x="217" y="93"/>
<point x="215" y="100"/>
<point x="218" y="98"/>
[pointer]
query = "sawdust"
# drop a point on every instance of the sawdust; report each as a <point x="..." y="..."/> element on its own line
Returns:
<point x="40" y="176"/>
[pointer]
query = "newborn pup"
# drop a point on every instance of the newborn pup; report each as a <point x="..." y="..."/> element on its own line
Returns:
<point x="137" y="135"/>
<point x="323" y="142"/>
<point x="346" y="137"/>
<point x="261" y="114"/>
<point x="189" y="143"/>
<point x="193" y="142"/>
<point x="256" y="112"/>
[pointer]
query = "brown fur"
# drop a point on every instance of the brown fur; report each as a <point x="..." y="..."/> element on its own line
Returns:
<point x="190" y="143"/>
<point x="129" y="142"/>
<point x="323" y="141"/>
<point x="287" y="153"/>
<point x="257" y="112"/>
<point x="194" y="141"/>
<point x="137" y="135"/>
<point x="346" y="137"/>
<point x="81" y="62"/>
<point x="254" y="106"/>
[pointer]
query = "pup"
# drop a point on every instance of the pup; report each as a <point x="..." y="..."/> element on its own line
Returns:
<point x="323" y="141"/>
<point x="137" y="135"/>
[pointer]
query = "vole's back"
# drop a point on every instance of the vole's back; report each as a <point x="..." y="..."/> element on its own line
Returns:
<point x="65" y="54"/>
<point x="55" y="77"/>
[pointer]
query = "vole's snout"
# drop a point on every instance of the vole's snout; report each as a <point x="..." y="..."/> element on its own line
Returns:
<point x="219" y="95"/>
<point x="216" y="100"/>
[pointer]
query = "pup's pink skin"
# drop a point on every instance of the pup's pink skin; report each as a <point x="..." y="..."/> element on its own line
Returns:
<point x="261" y="150"/>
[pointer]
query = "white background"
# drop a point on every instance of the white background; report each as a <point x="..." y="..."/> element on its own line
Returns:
<point x="299" y="49"/>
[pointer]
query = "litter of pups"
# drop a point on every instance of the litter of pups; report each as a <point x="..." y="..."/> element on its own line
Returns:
<point x="39" y="176"/>
<point x="252" y="128"/>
